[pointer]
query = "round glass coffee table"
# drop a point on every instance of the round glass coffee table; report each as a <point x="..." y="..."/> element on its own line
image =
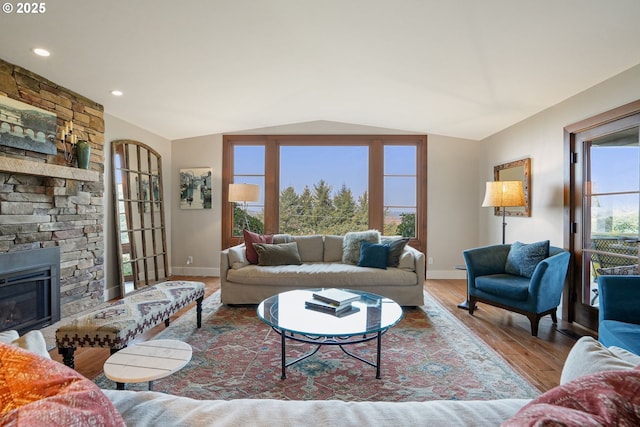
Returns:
<point x="372" y="315"/>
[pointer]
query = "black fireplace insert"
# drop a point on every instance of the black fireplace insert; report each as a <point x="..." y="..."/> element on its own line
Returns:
<point x="29" y="289"/>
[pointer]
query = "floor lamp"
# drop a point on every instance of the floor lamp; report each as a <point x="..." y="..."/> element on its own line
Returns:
<point x="500" y="194"/>
<point x="503" y="194"/>
<point x="244" y="193"/>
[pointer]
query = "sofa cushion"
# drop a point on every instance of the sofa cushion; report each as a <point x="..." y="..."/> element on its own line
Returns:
<point x="505" y="285"/>
<point x="523" y="258"/>
<point x="150" y="408"/>
<point x="35" y="391"/>
<point x="609" y="398"/>
<point x="396" y="247"/>
<point x="9" y="336"/>
<point x="373" y="255"/>
<point x="311" y="248"/>
<point x="588" y="356"/>
<point x="352" y="241"/>
<point x="33" y="341"/>
<point x="407" y="260"/>
<point x="321" y="274"/>
<point x="277" y="254"/>
<point x="333" y="248"/>
<point x="282" y="238"/>
<point x="249" y="239"/>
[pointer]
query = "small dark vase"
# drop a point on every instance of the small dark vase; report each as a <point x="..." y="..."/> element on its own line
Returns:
<point x="83" y="153"/>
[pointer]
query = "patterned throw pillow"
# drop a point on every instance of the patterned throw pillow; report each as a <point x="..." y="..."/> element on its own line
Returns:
<point x="352" y="241"/>
<point x="523" y="258"/>
<point x="251" y="238"/>
<point x="35" y="391"/>
<point x="607" y="398"/>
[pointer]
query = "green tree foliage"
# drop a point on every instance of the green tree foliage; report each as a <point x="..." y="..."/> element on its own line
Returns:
<point x="255" y="224"/>
<point x="318" y="212"/>
<point x="625" y="224"/>
<point x="290" y="210"/>
<point x="407" y="226"/>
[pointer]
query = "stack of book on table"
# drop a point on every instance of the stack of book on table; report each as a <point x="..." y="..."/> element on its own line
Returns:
<point x="334" y="301"/>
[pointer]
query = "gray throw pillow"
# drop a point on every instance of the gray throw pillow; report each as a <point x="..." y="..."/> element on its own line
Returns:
<point x="277" y="254"/>
<point x="352" y="241"/>
<point x="396" y="246"/>
<point x="523" y="258"/>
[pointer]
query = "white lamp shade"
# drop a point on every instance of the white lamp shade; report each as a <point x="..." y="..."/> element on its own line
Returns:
<point x="244" y="192"/>
<point x="503" y="194"/>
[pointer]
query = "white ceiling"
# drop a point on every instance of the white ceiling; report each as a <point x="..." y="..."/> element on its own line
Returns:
<point x="463" y="68"/>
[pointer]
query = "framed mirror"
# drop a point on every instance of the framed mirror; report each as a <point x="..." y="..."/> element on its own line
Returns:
<point x="520" y="170"/>
<point x="139" y="215"/>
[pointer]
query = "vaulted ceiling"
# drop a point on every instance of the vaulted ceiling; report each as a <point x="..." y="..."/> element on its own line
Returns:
<point x="463" y="68"/>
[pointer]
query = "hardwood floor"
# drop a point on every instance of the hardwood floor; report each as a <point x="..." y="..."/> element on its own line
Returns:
<point x="539" y="360"/>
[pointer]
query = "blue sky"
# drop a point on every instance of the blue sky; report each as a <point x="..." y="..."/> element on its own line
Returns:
<point x="336" y="165"/>
<point x="616" y="169"/>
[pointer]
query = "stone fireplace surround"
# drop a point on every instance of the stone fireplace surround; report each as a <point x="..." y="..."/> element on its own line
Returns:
<point x="45" y="202"/>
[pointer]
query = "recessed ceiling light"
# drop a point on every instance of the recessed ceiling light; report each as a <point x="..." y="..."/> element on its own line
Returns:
<point x="41" y="52"/>
<point x="117" y="93"/>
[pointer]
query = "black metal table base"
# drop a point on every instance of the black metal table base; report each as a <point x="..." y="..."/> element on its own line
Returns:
<point x="320" y="341"/>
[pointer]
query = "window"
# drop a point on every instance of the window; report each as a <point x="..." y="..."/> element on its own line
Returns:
<point x="248" y="168"/>
<point x="326" y="196"/>
<point x="400" y="190"/>
<point x="328" y="184"/>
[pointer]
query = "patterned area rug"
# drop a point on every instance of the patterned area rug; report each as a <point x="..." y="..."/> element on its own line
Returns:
<point x="429" y="355"/>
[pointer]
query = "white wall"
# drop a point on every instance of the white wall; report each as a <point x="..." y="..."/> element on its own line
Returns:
<point x="196" y="232"/>
<point x="452" y="203"/>
<point x="541" y="137"/>
<point x="115" y="129"/>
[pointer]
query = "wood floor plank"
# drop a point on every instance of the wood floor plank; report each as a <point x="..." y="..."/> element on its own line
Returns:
<point x="538" y="359"/>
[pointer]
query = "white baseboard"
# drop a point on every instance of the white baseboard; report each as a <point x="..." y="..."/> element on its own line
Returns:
<point x="446" y="274"/>
<point x="112" y="293"/>
<point x="195" y="271"/>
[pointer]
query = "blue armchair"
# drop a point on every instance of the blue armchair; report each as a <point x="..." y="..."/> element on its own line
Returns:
<point x="535" y="294"/>
<point x="619" y="317"/>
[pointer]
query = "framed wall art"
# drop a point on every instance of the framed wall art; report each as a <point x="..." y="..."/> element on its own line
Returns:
<point x="27" y="127"/>
<point x="195" y="188"/>
<point x="519" y="170"/>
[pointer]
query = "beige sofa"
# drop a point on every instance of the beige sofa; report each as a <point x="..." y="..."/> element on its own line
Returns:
<point x="323" y="264"/>
<point x="78" y="397"/>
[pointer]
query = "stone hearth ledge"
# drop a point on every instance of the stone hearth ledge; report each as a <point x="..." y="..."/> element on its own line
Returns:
<point x="27" y="167"/>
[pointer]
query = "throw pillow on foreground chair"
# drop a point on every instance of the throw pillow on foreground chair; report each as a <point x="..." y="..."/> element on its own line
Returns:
<point x="523" y="278"/>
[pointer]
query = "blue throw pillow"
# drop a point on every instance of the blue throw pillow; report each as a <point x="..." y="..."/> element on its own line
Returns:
<point x="373" y="255"/>
<point x="523" y="258"/>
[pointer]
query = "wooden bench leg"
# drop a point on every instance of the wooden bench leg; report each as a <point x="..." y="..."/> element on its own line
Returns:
<point x="67" y="356"/>
<point x="199" y="311"/>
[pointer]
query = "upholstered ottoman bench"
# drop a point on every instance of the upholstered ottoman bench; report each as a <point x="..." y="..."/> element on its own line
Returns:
<point x="115" y="324"/>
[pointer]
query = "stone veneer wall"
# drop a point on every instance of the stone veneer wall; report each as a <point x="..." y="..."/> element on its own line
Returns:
<point x="44" y="211"/>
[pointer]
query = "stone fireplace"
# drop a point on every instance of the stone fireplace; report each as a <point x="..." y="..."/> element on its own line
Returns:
<point x="46" y="202"/>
